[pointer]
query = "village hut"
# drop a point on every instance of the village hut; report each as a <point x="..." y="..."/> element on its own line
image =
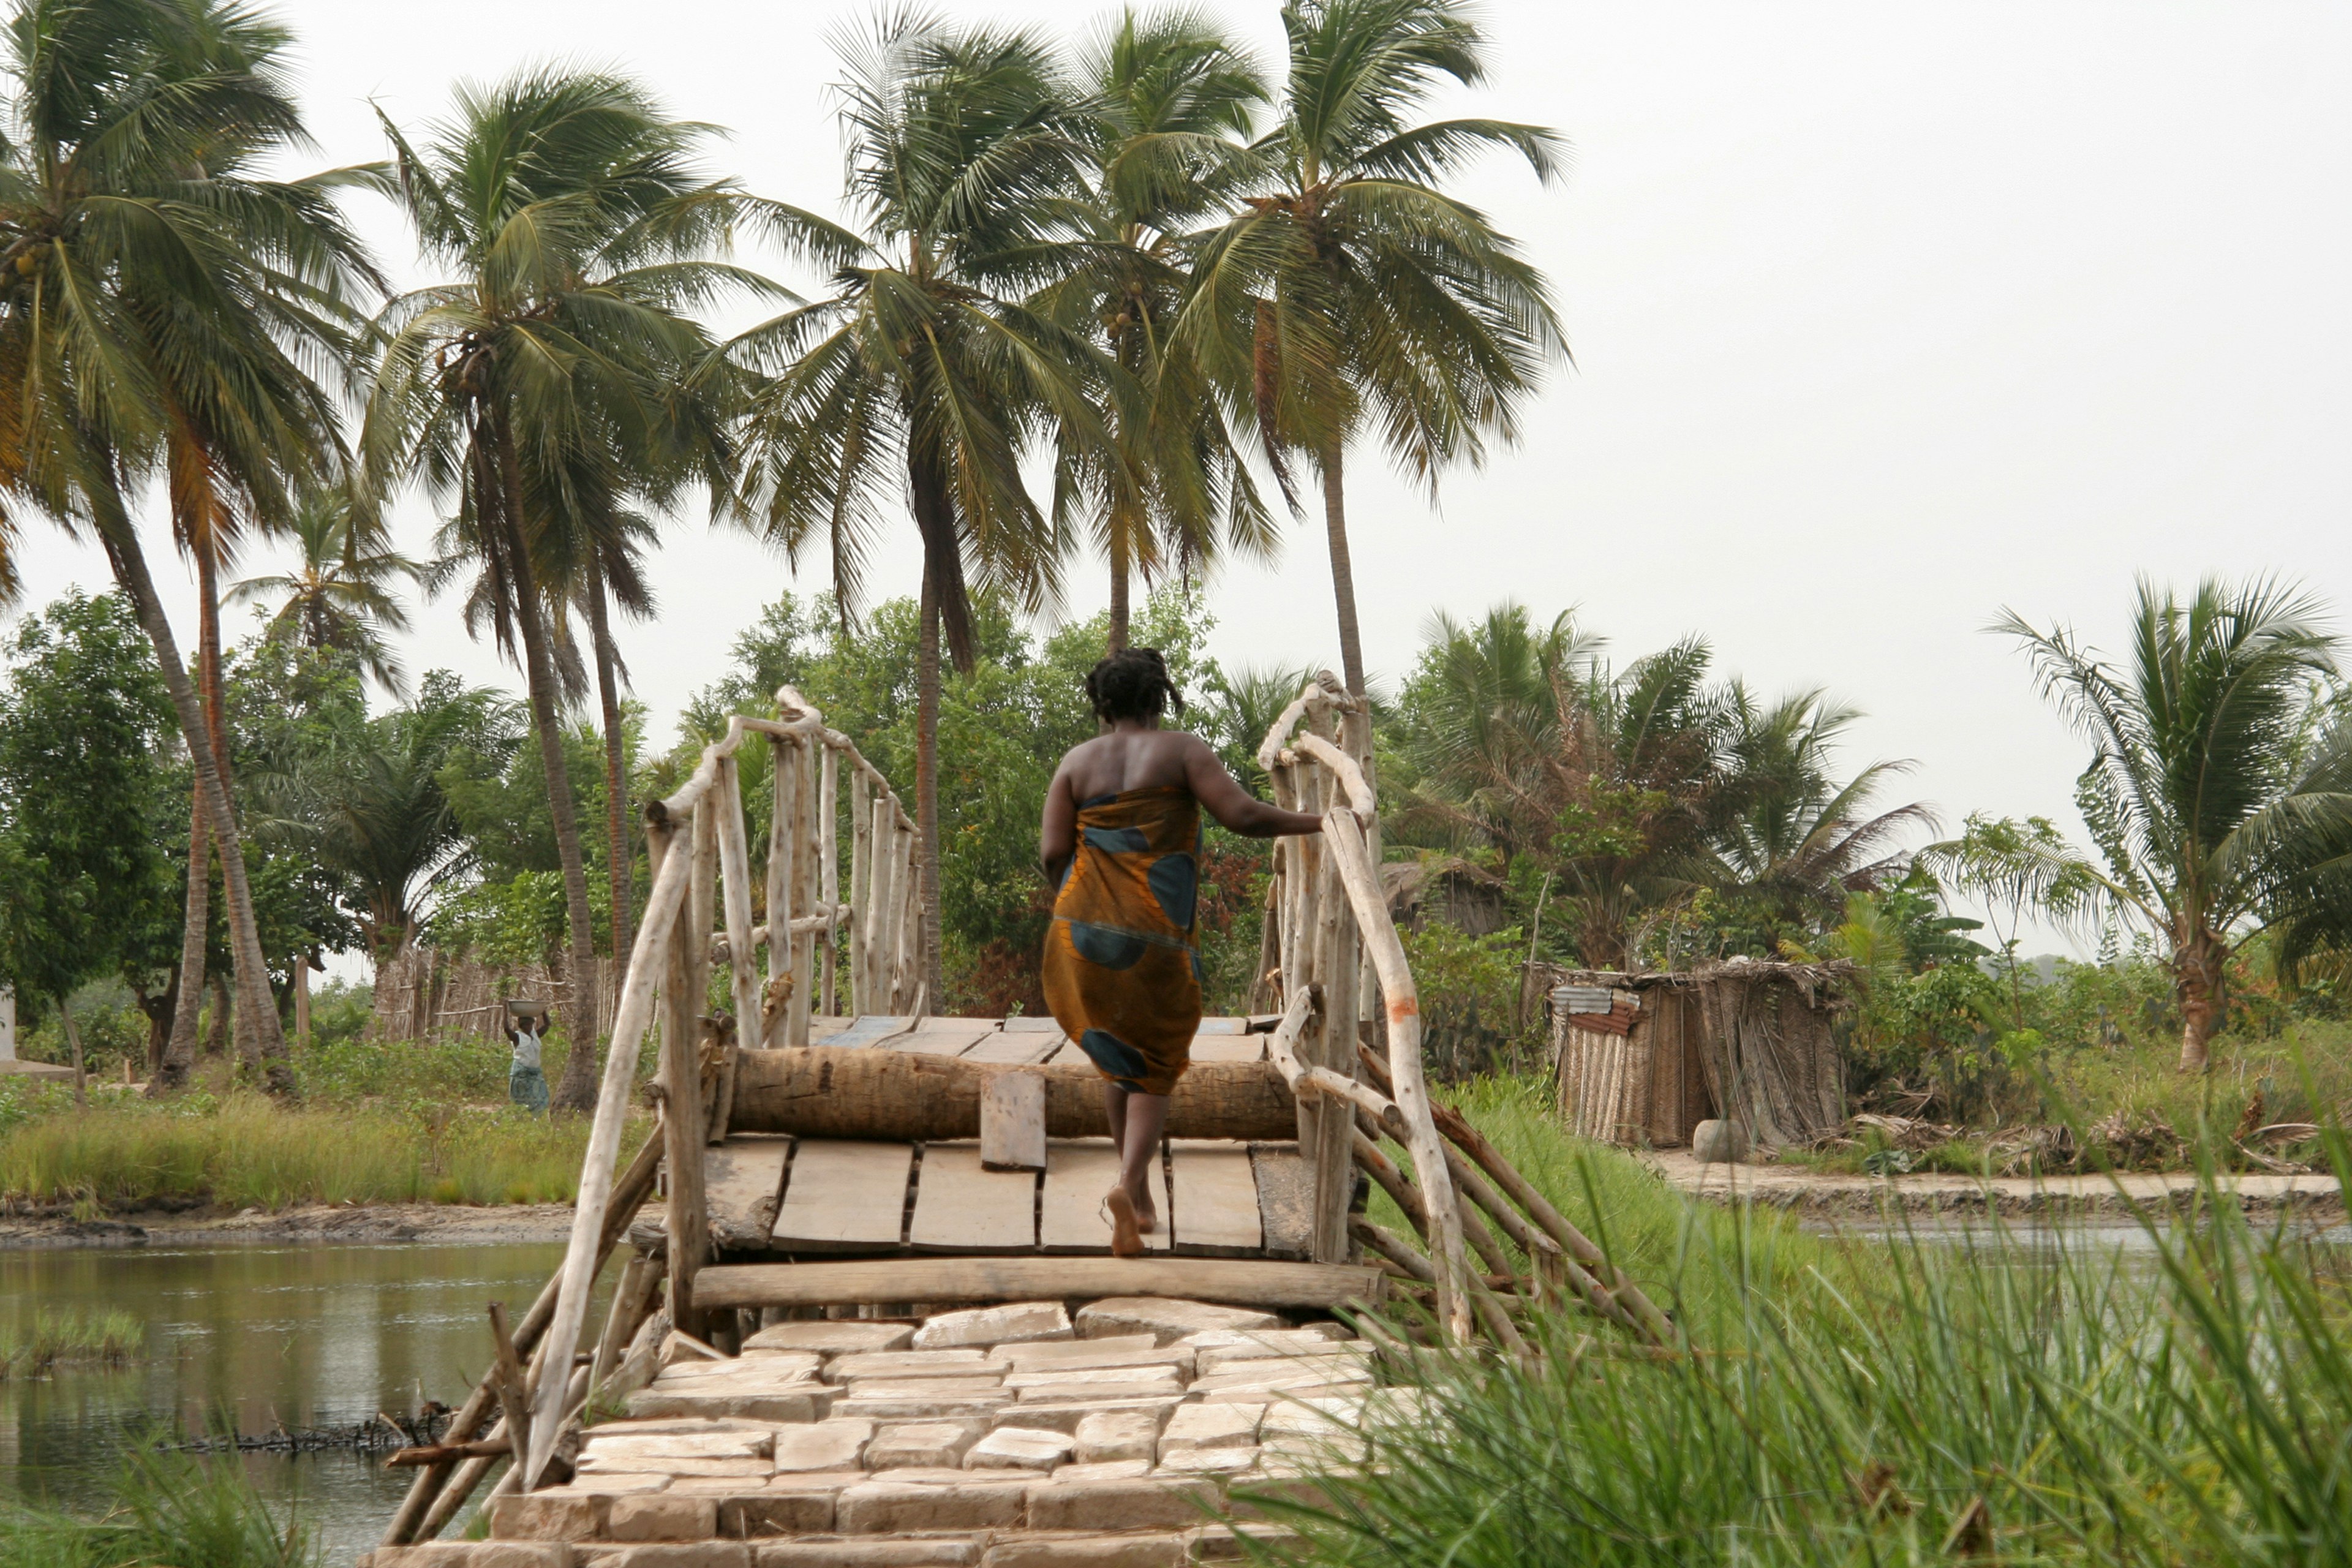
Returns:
<point x="1645" y="1057"/>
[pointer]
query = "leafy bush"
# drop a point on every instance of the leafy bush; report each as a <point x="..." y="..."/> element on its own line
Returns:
<point x="1469" y="990"/>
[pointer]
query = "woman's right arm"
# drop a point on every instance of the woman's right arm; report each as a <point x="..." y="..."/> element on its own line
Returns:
<point x="1236" y="809"/>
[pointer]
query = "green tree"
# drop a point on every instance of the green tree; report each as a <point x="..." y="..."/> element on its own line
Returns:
<point x="158" y="295"/>
<point x="1350" y="289"/>
<point x="2220" y="787"/>
<point x="554" y="376"/>
<point x="1168" y="101"/>
<point x="925" y="375"/>
<point x="86" y="780"/>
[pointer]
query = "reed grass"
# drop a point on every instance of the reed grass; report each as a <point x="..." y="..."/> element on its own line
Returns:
<point x="165" y="1510"/>
<point x="105" y="1337"/>
<point x="242" y="1152"/>
<point x="1896" y="1400"/>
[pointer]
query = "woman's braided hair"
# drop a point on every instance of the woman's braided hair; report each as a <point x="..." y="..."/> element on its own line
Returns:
<point x="1132" y="683"/>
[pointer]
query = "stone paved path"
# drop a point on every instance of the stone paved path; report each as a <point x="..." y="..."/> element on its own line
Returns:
<point x="1133" y="1432"/>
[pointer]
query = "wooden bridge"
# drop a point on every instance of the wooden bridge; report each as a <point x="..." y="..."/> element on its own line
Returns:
<point x="828" y="1150"/>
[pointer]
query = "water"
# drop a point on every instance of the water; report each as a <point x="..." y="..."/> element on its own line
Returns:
<point x="308" y="1336"/>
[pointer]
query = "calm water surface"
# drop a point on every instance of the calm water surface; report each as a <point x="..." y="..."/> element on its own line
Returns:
<point x="307" y="1336"/>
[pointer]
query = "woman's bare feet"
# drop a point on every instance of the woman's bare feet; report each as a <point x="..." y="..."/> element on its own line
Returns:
<point x="1126" y="1235"/>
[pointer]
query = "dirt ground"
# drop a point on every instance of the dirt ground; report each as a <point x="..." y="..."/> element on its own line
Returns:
<point x="1928" y="1192"/>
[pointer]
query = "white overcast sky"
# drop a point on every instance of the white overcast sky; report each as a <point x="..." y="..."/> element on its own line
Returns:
<point x="1884" y="317"/>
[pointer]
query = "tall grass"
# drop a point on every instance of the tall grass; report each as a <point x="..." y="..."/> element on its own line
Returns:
<point x="243" y="1151"/>
<point x="1891" y="1401"/>
<point x="107" y="1337"/>
<point x="167" y="1511"/>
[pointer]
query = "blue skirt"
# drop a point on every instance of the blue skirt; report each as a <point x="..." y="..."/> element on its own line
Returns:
<point x="527" y="1087"/>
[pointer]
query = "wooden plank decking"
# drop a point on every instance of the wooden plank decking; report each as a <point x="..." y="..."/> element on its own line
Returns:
<point x="774" y="1195"/>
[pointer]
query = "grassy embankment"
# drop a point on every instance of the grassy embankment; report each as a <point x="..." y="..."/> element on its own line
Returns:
<point x="1892" y="1400"/>
<point x="378" y="1125"/>
<point x="107" y="1338"/>
<point x="167" y="1511"/>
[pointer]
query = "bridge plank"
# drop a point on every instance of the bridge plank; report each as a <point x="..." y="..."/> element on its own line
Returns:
<point x="1078" y="1171"/>
<point x="845" y="1194"/>
<point x="1020" y="1046"/>
<point x="944" y="1036"/>
<point x="962" y="1206"/>
<point x="1216" y="1194"/>
<point x="1286" y="1198"/>
<point x="740" y="1181"/>
<point x="868" y="1029"/>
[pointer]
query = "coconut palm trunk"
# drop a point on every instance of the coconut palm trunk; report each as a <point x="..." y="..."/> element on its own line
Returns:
<point x="1343" y="572"/>
<point x="2197" y="980"/>
<point x="619" y="860"/>
<point x="179" y="1058"/>
<point x="576" y="1089"/>
<point x="215" y="697"/>
<point x="1119" y="569"/>
<point x="130" y="563"/>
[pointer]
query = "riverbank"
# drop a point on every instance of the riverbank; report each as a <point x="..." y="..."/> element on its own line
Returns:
<point x="367" y="1225"/>
<point x="1827" y="1193"/>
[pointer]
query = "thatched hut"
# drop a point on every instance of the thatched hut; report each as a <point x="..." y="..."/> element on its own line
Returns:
<point x="1645" y="1057"/>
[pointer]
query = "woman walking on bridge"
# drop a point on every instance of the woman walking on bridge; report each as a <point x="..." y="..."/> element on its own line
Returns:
<point x="1122" y="969"/>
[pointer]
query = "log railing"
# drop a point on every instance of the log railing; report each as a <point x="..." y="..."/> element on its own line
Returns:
<point x="700" y="853"/>
<point x="1335" y="955"/>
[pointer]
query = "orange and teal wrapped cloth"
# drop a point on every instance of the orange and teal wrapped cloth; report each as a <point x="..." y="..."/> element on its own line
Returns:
<point x="1122" y="966"/>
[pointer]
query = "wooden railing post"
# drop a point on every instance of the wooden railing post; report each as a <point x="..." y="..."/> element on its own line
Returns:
<point x="681" y="1077"/>
<point x="782" y="848"/>
<point x="828" y="857"/>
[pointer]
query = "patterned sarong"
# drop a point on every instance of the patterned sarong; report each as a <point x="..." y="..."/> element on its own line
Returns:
<point x="1122" y="965"/>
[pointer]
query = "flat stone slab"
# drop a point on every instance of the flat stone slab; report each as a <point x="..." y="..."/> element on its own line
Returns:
<point x="1164" y="1318"/>
<point x="1019" y="1448"/>
<point x="1014" y="1321"/>
<point x="843" y="1336"/>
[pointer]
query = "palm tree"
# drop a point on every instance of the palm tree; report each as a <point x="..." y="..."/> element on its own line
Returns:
<point x="923" y="373"/>
<point x="1797" y="843"/>
<point x="1168" y="98"/>
<point x="373" y="807"/>
<point x="343" y="594"/>
<point x="1351" y="289"/>
<point x="555" y="374"/>
<point x="158" y="297"/>
<point x="2219" y="803"/>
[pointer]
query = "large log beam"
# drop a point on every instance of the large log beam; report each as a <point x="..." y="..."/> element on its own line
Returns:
<point x="817" y="1091"/>
<point x="1237" y="1282"/>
